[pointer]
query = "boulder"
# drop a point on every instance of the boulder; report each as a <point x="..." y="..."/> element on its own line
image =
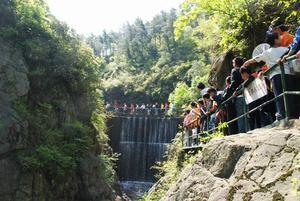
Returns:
<point x="220" y="69"/>
<point x="261" y="165"/>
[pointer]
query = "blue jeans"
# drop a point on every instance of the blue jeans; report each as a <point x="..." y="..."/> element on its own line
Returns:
<point x="240" y="107"/>
<point x="277" y="89"/>
<point x="212" y="121"/>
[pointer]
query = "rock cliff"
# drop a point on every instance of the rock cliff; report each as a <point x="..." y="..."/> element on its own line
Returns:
<point x="262" y="165"/>
<point x="52" y="141"/>
<point x="16" y="184"/>
<point x="221" y="68"/>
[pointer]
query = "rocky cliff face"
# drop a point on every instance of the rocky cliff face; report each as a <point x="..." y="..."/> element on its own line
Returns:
<point x="16" y="184"/>
<point x="262" y="165"/>
<point x="13" y="84"/>
<point x="221" y="68"/>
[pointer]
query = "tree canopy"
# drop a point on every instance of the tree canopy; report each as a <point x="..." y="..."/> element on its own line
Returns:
<point x="143" y="61"/>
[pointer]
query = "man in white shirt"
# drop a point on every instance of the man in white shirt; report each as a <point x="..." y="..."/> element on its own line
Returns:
<point x="271" y="57"/>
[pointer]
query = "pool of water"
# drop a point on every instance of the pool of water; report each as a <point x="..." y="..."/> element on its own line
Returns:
<point x="135" y="189"/>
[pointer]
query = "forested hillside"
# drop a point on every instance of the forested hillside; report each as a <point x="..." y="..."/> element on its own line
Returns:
<point x="144" y="62"/>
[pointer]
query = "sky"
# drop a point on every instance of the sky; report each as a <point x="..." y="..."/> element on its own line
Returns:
<point x="94" y="16"/>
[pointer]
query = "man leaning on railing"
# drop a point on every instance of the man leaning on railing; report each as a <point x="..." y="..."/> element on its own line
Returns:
<point x="271" y="57"/>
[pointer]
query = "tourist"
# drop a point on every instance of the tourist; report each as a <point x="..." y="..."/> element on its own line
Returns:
<point x="212" y="107"/>
<point x="294" y="80"/>
<point x="187" y="129"/>
<point x="268" y="111"/>
<point x="125" y="107"/>
<point x="200" y="86"/>
<point x="229" y="107"/>
<point x="195" y="112"/>
<point x="108" y="106"/>
<point x="254" y="117"/>
<point x="167" y="105"/>
<point x="148" y="108"/>
<point x="202" y="112"/>
<point x="278" y="27"/>
<point x="271" y="57"/>
<point x="116" y="105"/>
<point x="239" y="102"/>
<point x="132" y="108"/>
<point x="295" y="46"/>
<point x="206" y="116"/>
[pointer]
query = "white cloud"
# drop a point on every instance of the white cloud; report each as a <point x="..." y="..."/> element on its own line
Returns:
<point x="93" y="16"/>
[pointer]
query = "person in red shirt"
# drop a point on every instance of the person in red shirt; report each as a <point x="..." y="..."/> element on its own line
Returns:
<point x="278" y="26"/>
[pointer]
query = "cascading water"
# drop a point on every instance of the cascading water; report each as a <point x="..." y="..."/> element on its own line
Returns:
<point x="141" y="141"/>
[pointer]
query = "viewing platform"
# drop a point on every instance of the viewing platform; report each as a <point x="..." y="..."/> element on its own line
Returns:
<point x="156" y="112"/>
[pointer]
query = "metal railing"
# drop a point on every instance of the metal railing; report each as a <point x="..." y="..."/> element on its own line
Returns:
<point x="138" y="111"/>
<point x="187" y="140"/>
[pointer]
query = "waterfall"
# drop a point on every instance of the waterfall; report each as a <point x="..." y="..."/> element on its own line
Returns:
<point x="141" y="141"/>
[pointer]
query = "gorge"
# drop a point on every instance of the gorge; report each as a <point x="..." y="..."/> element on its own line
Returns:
<point x="141" y="141"/>
<point x="57" y="142"/>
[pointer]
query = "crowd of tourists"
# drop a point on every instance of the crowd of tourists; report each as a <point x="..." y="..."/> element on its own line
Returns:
<point x="215" y="106"/>
<point x="134" y="108"/>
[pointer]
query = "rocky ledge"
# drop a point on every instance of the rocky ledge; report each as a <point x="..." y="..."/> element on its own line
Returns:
<point x="263" y="165"/>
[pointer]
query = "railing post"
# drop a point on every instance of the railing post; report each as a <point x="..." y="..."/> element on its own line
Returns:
<point x="285" y="98"/>
<point x="183" y="137"/>
<point x="246" y="122"/>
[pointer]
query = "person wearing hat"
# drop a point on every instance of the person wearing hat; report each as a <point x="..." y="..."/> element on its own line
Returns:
<point x="278" y="26"/>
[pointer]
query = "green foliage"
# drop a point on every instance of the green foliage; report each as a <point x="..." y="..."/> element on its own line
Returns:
<point x="98" y="118"/>
<point x="107" y="168"/>
<point x="220" y="25"/>
<point x="217" y="133"/>
<point x="143" y="60"/>
<point x="183" y="94"/>
<point x="55" y="151"/>
<point x="295" y="181"/>
<point x="181" y="97"/>
<point x="217" y="26"/>
<point x="51" y="160"/>
<point x="64" y="115"/>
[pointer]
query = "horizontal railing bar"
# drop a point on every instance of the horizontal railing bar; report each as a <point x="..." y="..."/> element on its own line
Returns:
<point x="292" y="92"/>
<point x="277" y="65"/>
